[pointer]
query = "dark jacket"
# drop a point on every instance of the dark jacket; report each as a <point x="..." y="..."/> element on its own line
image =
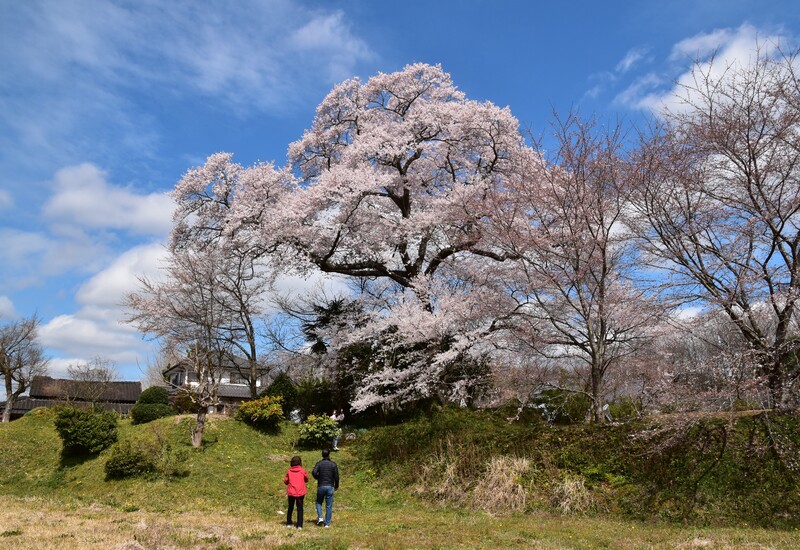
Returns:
<point x="326" y="472"/>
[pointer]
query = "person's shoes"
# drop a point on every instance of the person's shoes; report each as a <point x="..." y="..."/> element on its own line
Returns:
<point x="327" y="527"/>
<point x="336" y="449"/>
<point x="320" y="521"/>
<point x="299" y="528"/>
<point x="289" y="525"/>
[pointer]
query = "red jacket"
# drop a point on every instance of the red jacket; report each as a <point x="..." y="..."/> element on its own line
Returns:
<point x="296" y="479"/>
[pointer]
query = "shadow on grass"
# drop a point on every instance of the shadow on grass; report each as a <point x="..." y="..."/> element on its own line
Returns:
<point x="71" y="458"/>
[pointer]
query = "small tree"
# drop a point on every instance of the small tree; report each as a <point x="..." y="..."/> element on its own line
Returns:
<point x="85" y="431"/>
<point x="283" y="386"/>
<point x="92" y="380"/>
<point x="21" y="358"/>
<point x="154" y="395"/>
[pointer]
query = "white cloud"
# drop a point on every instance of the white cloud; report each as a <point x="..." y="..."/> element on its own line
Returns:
<point x="631" y="58"/>
<point x="687" y="313"/>
<point x="714" y="51"/>
<point x="5" y="200"/>
<point x="7" y="310"/>
<point x="330" y="36"/>
<point x="84" y="337"/>
<point x="246" y="52"/>
<point x="84" y="198"/>
<point x="97" y="328"/>
<point x="109" y="287"/>
<point x="28" y="259"/>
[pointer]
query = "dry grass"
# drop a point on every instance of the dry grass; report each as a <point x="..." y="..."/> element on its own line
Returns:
<point x="34" y="524"/>
<point x="571" y="496"/>
<point x="37" y="524"/>
<point x="502" y="489"/>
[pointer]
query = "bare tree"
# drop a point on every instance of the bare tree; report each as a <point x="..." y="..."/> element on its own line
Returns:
<point x="91" y="380"/>
<point x="21" y="358"/>
<point x="719" y="208"/>
<point x="579" y="297"/>
<point x="185" y="313"/>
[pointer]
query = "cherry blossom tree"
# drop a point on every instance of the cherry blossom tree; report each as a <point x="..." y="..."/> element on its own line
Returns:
<point x="204" y="197"/>
<point x="391" y="186"/>
<point x="719" y="208"/>
<point x="578" y="292"/>
<point x="21" y="358"/>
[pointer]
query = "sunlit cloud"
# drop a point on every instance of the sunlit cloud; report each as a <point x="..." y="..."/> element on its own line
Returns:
<point x="633" y="57"/>
<point x="714" y="52"/>
<point x="83" y="198"/>
<point x="7" y="310"/>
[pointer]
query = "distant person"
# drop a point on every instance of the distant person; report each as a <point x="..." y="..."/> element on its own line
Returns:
<point x="326" y="472"/>
<point x="338" y="416"/>
<point x="296" y="479"/>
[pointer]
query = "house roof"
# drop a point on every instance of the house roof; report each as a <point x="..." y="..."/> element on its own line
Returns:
<point x="44" y="387"/>
<point x="24" y="404"/>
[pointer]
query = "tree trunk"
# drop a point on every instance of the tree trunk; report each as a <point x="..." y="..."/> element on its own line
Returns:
<point x="9" y="405"/>
<point x="197" y="429"/>
<point x="598" y="415"/>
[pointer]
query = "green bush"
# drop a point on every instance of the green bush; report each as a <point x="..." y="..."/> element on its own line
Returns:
<point x="154" y="395"/>
<point x="625" y="408"/>
<point x="263" y="413"/>
<point x="282" y="386"/>
<point x="128" y="460"/>
<point x="563" y="407"/>
<point x="138" y="457"/>
<point x="142" y="413"/>
<point x="186" y="402"/>
<point x="85" y="431"/>
<point x="318" y="431"/>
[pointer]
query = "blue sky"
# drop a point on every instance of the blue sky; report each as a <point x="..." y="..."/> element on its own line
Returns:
<point x="104" y="105"/>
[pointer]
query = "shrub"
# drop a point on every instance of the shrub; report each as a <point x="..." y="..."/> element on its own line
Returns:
<point x="318" y="431"/>
<point x="263" y="413"/>
<point x="85" y="431"/>
<point x="142" y="413"/>
<point x="625" y="408"/>
<point x="282" y="386"/>
<point x="132" y="458"/>
<point x="128" y="460"/>
<point x="154" y="395"/>
<point x="563" y="407"/>
<point x="185" y="402"/>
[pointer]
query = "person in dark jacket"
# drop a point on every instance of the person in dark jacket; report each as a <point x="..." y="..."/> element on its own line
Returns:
<point x="326" y="472"/>
<point x="295" y="480"/>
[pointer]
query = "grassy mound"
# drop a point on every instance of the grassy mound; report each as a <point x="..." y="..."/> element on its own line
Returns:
<point x="725" y="469"/>
<point x="501" y="485"/>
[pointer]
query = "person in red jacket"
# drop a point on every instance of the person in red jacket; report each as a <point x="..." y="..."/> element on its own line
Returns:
<point x="296" y="479"/>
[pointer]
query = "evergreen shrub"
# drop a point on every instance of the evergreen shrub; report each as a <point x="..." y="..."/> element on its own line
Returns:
<point x="154" y="395"/>
<point x="128" y="460"/>
<point x="142" y="413"/>
<point x="85" y="431"/>
<point x="283" y="386"/>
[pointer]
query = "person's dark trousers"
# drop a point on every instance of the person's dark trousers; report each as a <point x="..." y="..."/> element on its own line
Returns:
<point x="325" y="492"/>
<point x="299" y="501"/>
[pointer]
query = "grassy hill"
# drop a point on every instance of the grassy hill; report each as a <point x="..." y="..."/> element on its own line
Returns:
<point x="428" y="483"/>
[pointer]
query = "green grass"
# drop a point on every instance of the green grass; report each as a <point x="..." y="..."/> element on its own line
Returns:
<point x="232" y="497"/>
